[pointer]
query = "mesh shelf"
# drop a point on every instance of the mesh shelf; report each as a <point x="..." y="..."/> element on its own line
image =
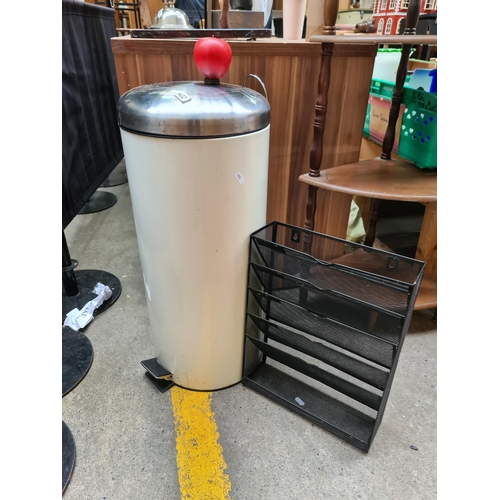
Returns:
<point x="326" y="320"/>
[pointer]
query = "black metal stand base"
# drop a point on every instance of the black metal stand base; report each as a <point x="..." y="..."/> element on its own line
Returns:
<point x="77" y="358"/>
<point x="117" y="177"/>
<point x="100" y="200"/>
<point x="87" y="279"/>
<point x="68" y="456"/>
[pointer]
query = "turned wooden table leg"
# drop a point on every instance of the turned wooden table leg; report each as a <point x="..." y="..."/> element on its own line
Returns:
<point x="316" y="154"/>
<point x="372" y="227"/>
<point x="427" y="241"/>
<point x="330" y="13"/>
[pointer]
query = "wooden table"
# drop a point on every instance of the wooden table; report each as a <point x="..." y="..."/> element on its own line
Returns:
<point x="387" y="180"/>
<point x="289" y="70"/>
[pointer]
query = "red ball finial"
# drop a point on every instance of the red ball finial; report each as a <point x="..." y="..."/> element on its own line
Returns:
<point x="212" y="57"/>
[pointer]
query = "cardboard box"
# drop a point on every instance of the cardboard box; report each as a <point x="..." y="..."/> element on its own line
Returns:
<point x="379" y="118"/>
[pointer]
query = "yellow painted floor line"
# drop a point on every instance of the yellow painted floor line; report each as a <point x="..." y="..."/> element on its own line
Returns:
<point x="200" y="462"/>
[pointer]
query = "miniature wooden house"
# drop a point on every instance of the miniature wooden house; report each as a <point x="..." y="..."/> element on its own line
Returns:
<point x="387" y="14"/>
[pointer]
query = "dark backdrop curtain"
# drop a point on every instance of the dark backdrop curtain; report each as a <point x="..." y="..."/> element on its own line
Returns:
<point x="91" y="143"/>
<point x="194" y="9"/>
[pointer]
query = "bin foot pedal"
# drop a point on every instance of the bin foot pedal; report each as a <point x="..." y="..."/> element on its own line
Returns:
<point x="160" y="377"/>
<point x="161" y="384"/>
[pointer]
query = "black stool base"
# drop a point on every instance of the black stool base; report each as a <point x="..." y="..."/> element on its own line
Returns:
<point x="117" y="177"/>
<point x="100" y="200"/>
<point x="68" y="456"/>
<point x="77" y="358"/>
<point x="87" y="279"/>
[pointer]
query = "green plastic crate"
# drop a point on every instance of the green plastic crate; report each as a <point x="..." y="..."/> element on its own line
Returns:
<point x="366" y="128"/>
<point x="384" y="88"/>
<point x="418" y="137"/>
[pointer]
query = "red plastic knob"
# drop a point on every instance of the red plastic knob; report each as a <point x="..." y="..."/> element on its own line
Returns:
<point x="212" y="57"/>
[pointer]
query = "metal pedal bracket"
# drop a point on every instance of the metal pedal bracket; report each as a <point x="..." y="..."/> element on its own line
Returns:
<point x="160" y="377"/>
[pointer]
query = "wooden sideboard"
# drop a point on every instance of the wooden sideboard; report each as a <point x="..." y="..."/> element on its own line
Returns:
<point x="289" y="70"/>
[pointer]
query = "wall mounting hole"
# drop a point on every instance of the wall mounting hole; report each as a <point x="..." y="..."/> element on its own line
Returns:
<point x="296" y="236"/>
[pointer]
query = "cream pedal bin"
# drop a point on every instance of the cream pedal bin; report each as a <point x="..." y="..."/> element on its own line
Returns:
<point x="197" y="164"/>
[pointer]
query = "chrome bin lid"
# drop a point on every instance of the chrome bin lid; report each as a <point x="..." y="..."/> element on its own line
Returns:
<point x="193" y="110"/>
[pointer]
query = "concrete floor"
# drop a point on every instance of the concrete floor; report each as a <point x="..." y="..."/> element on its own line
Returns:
<point x="124" y="427"/>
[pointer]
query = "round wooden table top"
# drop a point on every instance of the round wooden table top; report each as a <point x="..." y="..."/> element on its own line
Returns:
<point x="382" y="179"/>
